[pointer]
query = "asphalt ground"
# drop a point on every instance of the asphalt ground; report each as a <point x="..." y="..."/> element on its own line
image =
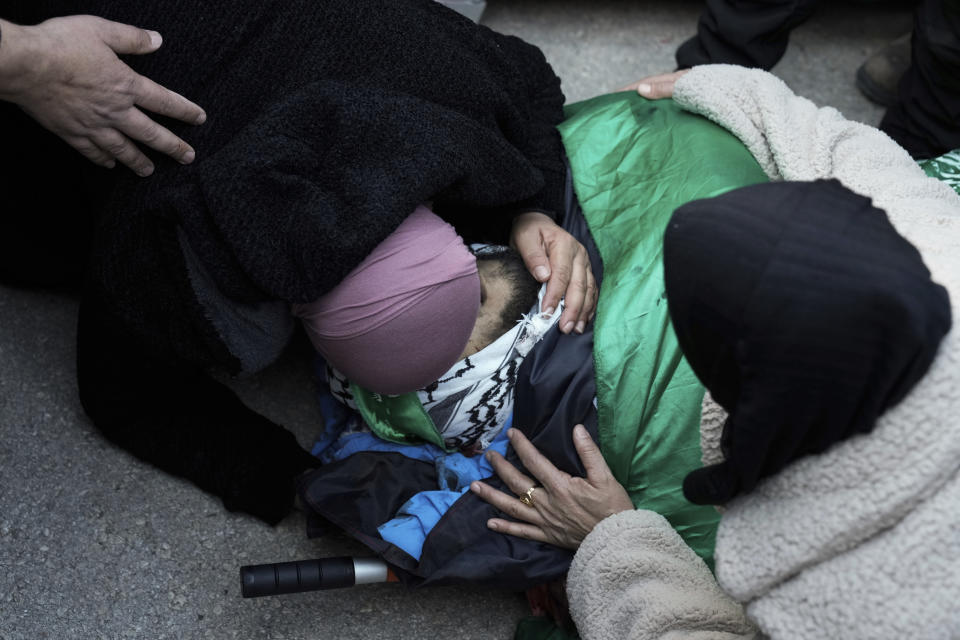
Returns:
<point x="95" y="544"/>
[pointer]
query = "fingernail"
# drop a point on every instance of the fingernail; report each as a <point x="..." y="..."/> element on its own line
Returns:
<point x="188" y="157"/>
<point x="580" y="431"/>
<point x="155" y="39"/>
<point x="644" y="88"/>
<point x="201" y="118"/>
<point x="548" y="311"/>
<point x="541" y="273"/>
<point x="111" y="164"/>
<point x="143" y="172"/>
<point x="492" y="525"/>
<point x="488" y="455"/>
<point x="567" y="328"/>
<point x="475" y="487"/>
<point x="510" y="433"/>
<point x="581" y="326"/>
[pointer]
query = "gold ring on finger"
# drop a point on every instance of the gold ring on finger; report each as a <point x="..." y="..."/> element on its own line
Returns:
<point x="527" y="497"/>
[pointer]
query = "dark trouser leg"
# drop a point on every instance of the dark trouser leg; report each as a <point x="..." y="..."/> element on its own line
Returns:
<point x="171" y="414"/>
<point x="926" y="120"/>
<point x="751" y="33"/>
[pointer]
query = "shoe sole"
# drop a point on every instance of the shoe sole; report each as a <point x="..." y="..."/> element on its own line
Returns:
<point x="873" y="91"/>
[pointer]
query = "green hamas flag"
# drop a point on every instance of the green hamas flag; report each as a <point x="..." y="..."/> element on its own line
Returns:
<point x="634" y="162"/>
<point x="401" y="418"/>
<point x="945" y="168"/>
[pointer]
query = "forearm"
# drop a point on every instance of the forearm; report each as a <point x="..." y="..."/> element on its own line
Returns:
<point x="634" y="577"/>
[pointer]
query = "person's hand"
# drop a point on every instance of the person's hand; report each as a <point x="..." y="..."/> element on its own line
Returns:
<point x="656" y="87"/>
<point x="554" y="256"/>
<point x="65" y="73"/>
<point x="565" y="508"/>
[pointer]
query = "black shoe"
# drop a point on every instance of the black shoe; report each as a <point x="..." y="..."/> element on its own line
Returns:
<point x="879" y="75"/>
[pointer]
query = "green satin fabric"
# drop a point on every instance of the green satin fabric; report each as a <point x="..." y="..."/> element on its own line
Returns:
<point x="634" y="162"/>
<point x="401" y="419"/>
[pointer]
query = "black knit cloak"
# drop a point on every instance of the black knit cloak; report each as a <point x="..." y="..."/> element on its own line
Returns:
<point x="328" y="122"/>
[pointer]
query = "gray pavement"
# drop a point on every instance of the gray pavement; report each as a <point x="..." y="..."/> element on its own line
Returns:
<point x="94" y="544"/>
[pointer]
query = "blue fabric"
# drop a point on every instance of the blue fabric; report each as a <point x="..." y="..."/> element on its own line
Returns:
<point x="417" y="517"/>
<point x="351" y="443"/>
<point x="455" y="471"/>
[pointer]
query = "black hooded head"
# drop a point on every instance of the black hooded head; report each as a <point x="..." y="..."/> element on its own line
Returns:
<point x="805" y="314"/>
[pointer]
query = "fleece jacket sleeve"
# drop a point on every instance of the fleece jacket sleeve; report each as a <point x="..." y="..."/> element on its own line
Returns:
<point x="852" y="542"/>
<point x="793" y="139"/>
<point x="634" y="577"/>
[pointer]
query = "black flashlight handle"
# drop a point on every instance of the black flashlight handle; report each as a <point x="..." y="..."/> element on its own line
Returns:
<point x="293" y="577"/>
<point x="310" y="575"/>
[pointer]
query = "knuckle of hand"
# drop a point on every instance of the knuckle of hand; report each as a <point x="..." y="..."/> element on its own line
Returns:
<point x="150" y="133"/>
<point x="576" y="486"/>
<point x="533" y="256"/>
<point x="166" y="105"/>
<point x="129" y="82"/>
<point x="84" y="146"/>
<point x="116" y="149"/>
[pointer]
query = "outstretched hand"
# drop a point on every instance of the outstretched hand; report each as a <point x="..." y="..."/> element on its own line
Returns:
<point x="656" y="87"/>
<point x="65" y="73"/>
<point x="563" y="509"/>
<point x="554" y="256"/>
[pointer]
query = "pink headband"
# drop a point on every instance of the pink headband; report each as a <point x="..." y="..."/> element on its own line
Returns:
<point x="402" y="318"/>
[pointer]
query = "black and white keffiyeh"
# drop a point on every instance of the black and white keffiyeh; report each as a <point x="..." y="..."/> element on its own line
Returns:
<point x="471" y="402"/>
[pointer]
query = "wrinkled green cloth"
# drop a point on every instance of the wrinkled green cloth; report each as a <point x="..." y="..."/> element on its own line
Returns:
<point x="634" y="162"/>
<point x="945" y="168"/>
<point x="401" y="418"/>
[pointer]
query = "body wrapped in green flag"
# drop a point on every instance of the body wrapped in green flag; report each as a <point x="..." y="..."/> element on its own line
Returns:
<point x="634" y="162"/>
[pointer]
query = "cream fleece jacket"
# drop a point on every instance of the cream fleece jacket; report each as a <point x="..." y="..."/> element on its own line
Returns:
<point x="862" y="541"/>
<point x="634" y="577"/>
